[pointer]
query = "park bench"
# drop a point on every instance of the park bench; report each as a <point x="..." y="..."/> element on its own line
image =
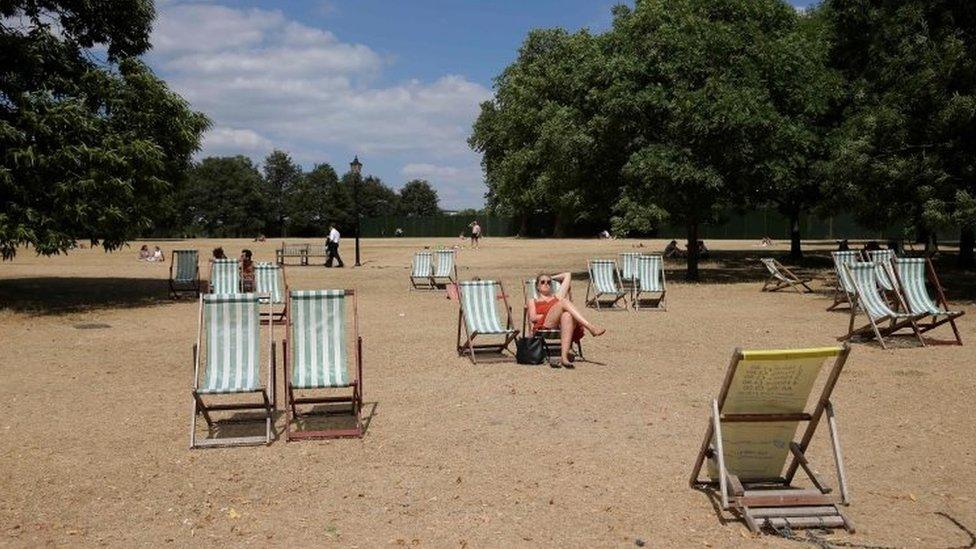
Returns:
<point x="300" y="251"/>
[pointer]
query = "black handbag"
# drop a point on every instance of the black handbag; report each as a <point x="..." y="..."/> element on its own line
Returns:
<point x="530" y="350"/>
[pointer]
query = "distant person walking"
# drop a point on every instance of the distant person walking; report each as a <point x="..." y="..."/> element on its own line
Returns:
<point x="475" y="233"/>
<point x="332" y="246"/>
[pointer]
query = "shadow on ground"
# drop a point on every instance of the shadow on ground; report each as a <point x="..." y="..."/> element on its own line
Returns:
<point x="58" y="295"/>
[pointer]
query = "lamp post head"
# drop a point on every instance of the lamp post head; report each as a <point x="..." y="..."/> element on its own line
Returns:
<point x="355" y="166"/>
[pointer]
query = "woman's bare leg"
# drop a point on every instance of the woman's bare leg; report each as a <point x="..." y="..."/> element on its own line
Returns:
<point x="556" y="311"/>
<point x="567" y="325"/>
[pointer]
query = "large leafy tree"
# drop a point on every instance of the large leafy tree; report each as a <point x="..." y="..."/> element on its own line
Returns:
<point x="280" y="174"/>
<point x="418" y="198"/>
<point x="311" y="201"/>
<point x="376" y="199"/>
<point x="225" y="197"/>
<point x="88" y="149"/>
<point x="906" y="151"/>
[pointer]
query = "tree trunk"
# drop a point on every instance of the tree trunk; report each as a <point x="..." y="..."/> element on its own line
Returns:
<point x="796" y="253"/>
<point x="523" y="224"/>
<point x="967" y="241"/>
<point x="691" y="273"/>
<point x="559" y="226"/>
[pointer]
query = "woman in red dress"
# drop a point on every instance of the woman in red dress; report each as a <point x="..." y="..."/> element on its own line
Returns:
<point x="555" y="310"/>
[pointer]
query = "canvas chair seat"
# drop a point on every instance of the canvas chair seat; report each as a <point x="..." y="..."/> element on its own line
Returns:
<point x="628" y="266"/>
<point x="868" y="298"/>
<point x="225" y="277"/>
<point x="844" y="290"/>
<point x="445" y="270"/>
<point x="184" y="273"/>
<point x="605" y="281"/>
<point x="751" y="454"/>
<point x="781" y="277"/>
<point x="478" y="316"/>
<point x="531" y="292"/>
<point x="269" y="282"/>
<point x="650" y="279"/>
<point x="910" y="275"/>
<point x="422" y="271"/>
<point x="883" y="258"/>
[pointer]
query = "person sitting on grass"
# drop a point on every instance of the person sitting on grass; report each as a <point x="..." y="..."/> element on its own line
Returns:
<point x="671" y="250"/>
<point x="247" y="271"/>
<point x="555" y="310"/>
<point x="144" y="253"/>
<point x="157" y="255"/>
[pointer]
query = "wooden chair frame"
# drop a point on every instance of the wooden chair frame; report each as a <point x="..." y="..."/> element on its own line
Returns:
<point x="660" y="304"/>
<point x="427" y="282"/>
<point x="595" y="300"/>
<point x="788" y="280"/>
<point x="469" y="346"/>
<point x="940" y="299"/>
<point x="775" y="502"/>
<point x="875" y="325"/>
<point x="174" y="287"/>
<point x="200" y="407"/>
<point x="355" y="400"/>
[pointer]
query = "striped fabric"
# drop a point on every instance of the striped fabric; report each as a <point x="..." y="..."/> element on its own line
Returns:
<point x="478" y="301"/>
<point x="267" y="280"/>
<point x="423" y="265"/>
<point x="318" y="339"/>
<point x="533" y="292"/>
<point x="865" y="280"/>
<point x="649" y="273"/>
<point x="186" y="265"/>
<point x="773" y="270"/>
<point x="225" y="277"/>
<point x="840" y="259"/>
<point x="883" y="259"/>
<point x="628" y="264"/>
<point x="231" y="330"/>
<point x="602" y="275"/>
<point x="911" y="271"/>
<point x="445" y="264"/>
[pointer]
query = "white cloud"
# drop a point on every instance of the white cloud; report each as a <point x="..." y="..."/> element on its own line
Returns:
<point x="267" y="81"/>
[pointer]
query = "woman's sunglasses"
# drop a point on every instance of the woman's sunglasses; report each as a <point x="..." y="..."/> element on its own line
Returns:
<point x="546" y="282"/>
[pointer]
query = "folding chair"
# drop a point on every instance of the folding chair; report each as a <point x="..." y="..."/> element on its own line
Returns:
<point x="187" y="275"/>
<point x="628" y="269"/>
<point x="228" y="355"/>
<point x="269" y="281"/>
<point x="868" y="298"/>
<point x="650" y="279"/>
<point x="315" y="360"/>
<point x="225" y="277"/>
<point x="446" y="270"/>
<point x="422" y="272"/>
<point x="605" y="281"/>
<point x="478" y="316"/>
<point x="844" y="290"/>
<point x="751" y="434"/>
<point x="909" y="275"/>
<point x="781" y="277"/>
<point x="530" y="292"/>
<point x="883" y="258"/>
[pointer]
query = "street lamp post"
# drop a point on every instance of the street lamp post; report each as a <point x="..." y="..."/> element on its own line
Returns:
<point x="356" y="168"/>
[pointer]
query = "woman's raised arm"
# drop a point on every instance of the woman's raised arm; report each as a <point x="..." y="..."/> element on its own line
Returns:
<point x="565" y="280"/>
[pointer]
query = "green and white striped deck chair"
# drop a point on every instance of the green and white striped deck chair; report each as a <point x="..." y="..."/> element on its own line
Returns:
<point x="446" y="271"/>
<point x="605" y="281"/>
<point x="422" y="271"/>
<point x="844" y="291"/>
<point x="628" y="268"/>
<point x="225" y="277"/>
<point x="478" y="316"/>
<point x="868" y="298"/>
<point x="184" y="273"/>
<point x="531" y="292"/>
<point x="910" y="275"/>
<point x="227" y="361"/>
<point x="650" y="280"/>
<point x="316" y="359"/>
<point x="882" y="258"/>
<point x="269" y="280"/>
<point x="781" y="277"/>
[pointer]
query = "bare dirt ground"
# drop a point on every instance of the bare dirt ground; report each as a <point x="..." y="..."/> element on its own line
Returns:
<point x="93" y="430"/>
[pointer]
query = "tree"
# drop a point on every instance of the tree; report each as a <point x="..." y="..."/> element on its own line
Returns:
<point x="87" y="149"/>
<point x="376" y="198"/>
<point x="906" y="150"/>
<point x="418" y="198"/>
<point x="225" y="197"/>
<point x="308" y="204"/>
<point x="280" y="174"/>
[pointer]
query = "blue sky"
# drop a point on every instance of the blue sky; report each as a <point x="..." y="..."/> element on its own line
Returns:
<point x="397" y="83"/>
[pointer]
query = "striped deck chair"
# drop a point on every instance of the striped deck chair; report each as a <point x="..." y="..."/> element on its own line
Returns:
<point x="910" y="275"/>
<point x="628" y="268"/>
<point x="605" y="281"/>
<point x="530" y="292"/>
<point x="478" y="316"/>
<point x="751" y="445"/>
<point x="227" y="361"/>
<point x="316" y="360"/>
<point x="225" y="277"/>
<point x="650" y="280"/>
<point x="882" y="258"/>
<point x="844" y="290"/>
<point x="781" y="277"/>
<point x="868" y="298"/>
<point x="446" y="270"/>
<point x="186" y="279"/>
<point x="422" y="272"/>
<point x="269" y="281"/>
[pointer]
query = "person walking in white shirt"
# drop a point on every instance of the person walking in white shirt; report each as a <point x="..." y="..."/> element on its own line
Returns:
<point x="332" y="246"/>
